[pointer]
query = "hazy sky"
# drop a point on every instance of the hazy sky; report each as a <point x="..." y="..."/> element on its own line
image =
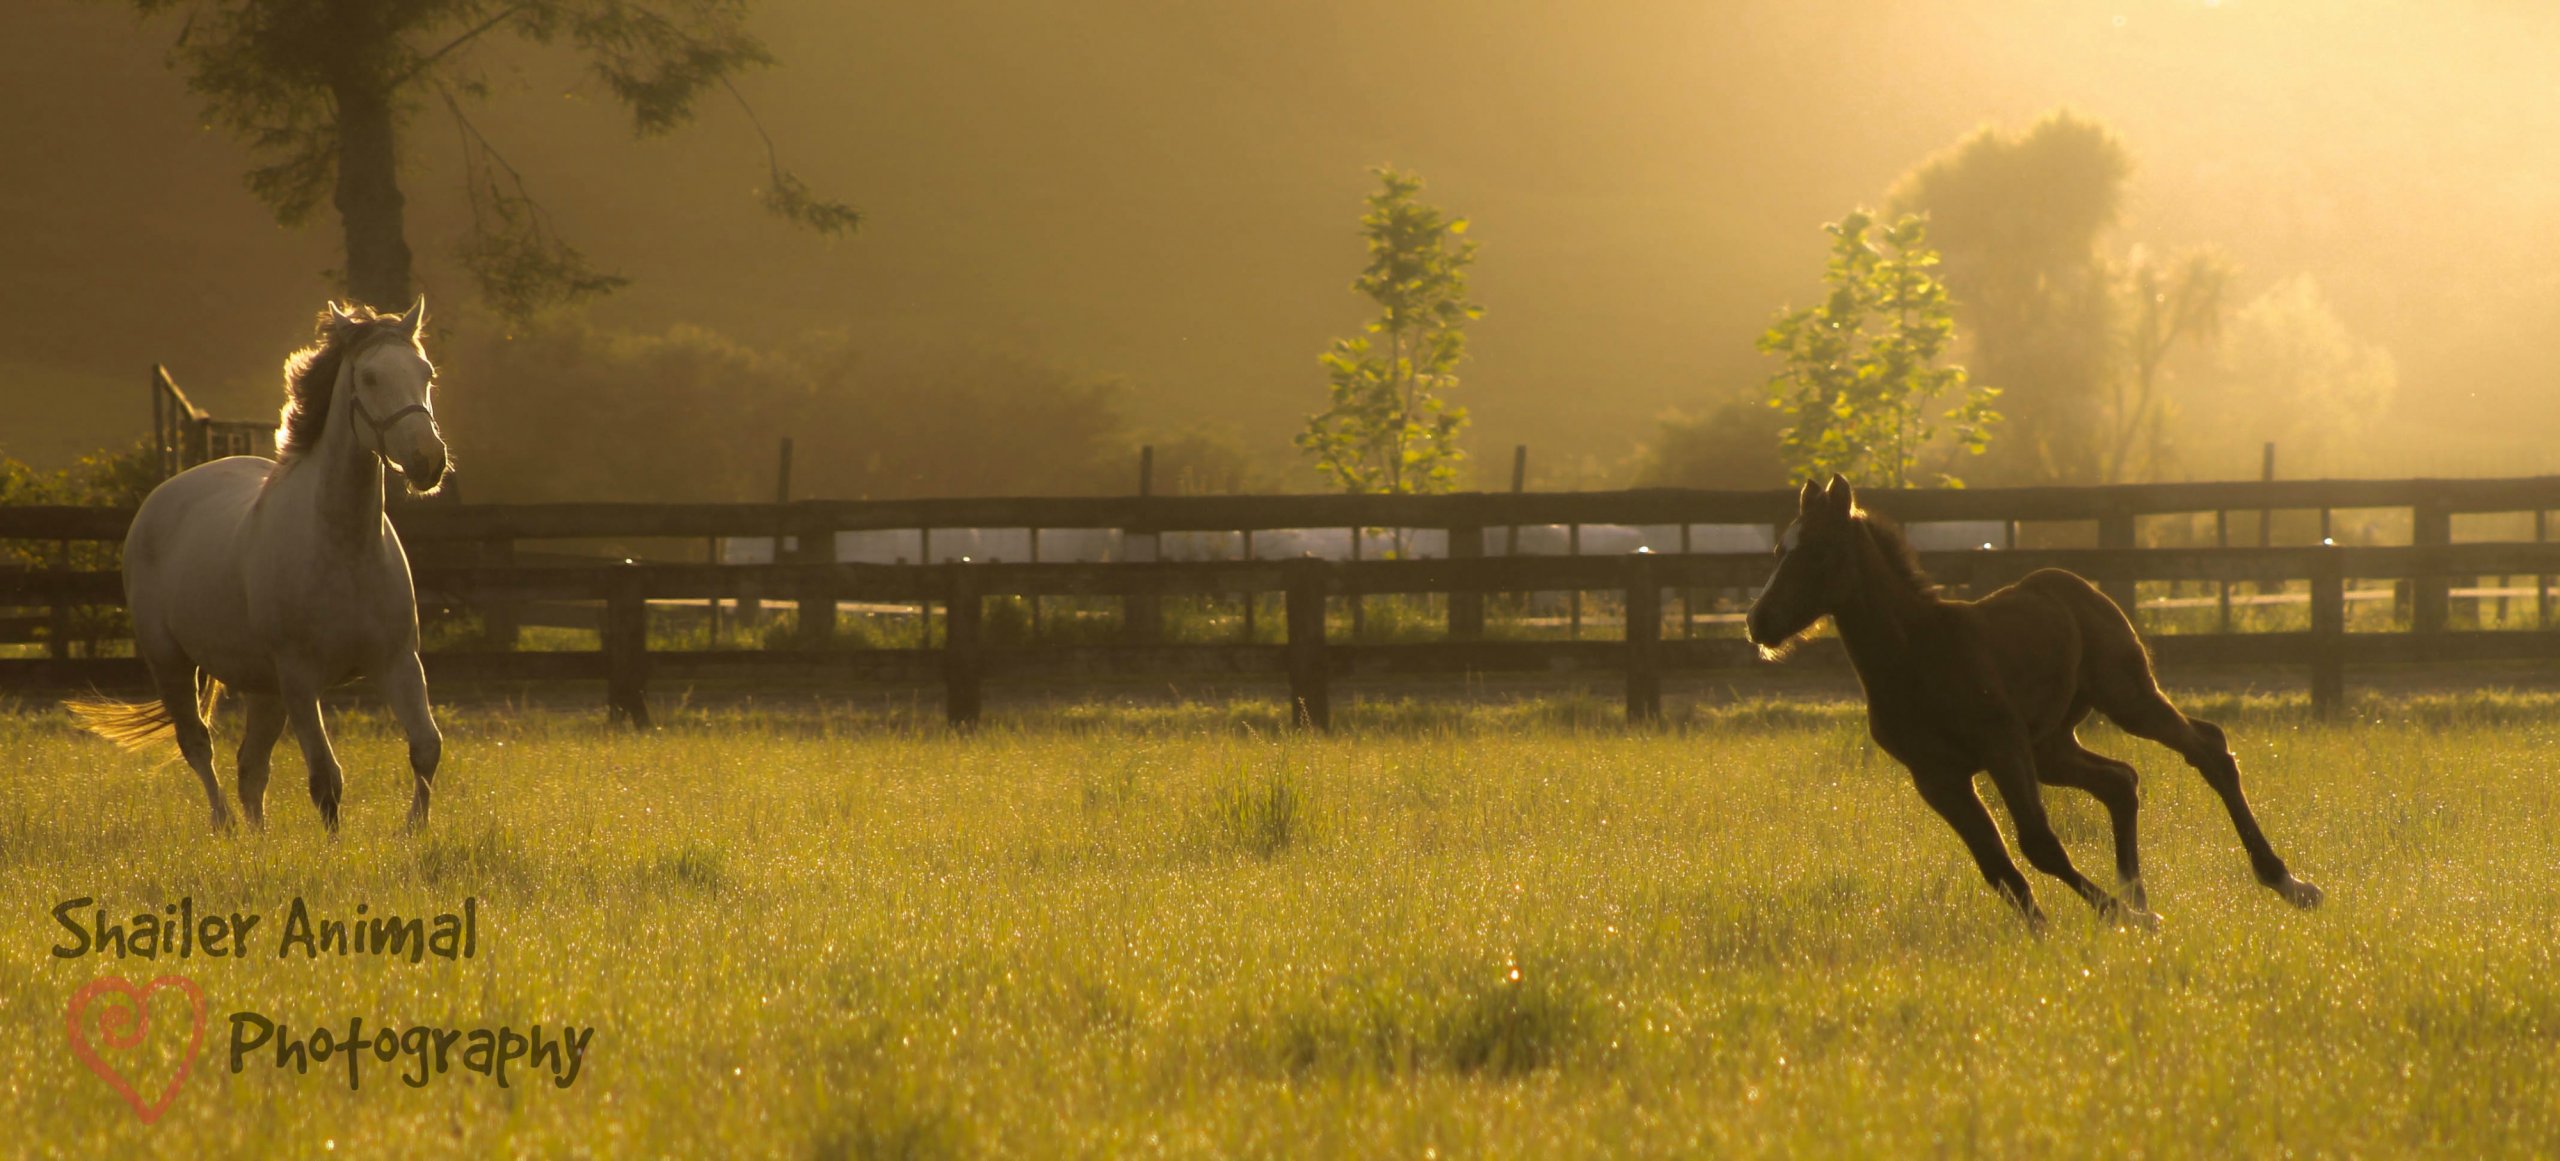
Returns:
<point x="1168" y="190"/>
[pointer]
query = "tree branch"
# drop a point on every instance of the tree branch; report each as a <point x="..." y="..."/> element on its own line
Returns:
<point x="429" y="60"/>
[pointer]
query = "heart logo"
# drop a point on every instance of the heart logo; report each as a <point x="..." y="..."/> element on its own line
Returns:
<point x="126" y="1026"/>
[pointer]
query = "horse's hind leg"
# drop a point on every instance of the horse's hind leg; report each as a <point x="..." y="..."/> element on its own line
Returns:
<point x="263" y="723"/>
<point x="2148" y="714"/>
<point x="404" y="686"/>
<point x="178" y="692"/>
<point x="2116" y="786"/>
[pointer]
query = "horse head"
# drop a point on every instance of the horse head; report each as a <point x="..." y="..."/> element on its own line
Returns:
<point x="1817" y="566"/>
<point x="390" y="385"/>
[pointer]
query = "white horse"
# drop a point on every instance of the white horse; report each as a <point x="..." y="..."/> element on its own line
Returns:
<point x="282" y="578"/>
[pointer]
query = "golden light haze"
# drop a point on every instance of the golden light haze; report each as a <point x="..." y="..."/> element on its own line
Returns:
<point x="1167" y="192"/>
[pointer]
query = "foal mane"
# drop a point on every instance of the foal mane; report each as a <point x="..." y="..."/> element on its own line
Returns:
<point x="1897" y="552"/>
<point x="311" y="375"/>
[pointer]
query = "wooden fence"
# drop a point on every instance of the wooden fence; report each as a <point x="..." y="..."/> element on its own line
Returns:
<point x="468" y="555"/>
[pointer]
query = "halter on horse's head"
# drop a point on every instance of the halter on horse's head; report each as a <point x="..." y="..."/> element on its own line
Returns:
<point x="388" y="384"/>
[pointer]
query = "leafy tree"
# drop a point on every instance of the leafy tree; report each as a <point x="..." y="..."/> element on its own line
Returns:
<point x="2021" y="219"/>
<point x="324" y="90"/>
<point x="1862" y="373"/>
<point x="1390" y="427"/>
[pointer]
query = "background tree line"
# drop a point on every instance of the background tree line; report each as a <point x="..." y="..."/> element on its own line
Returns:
<point x="2112" y="366"/>
<point x="1992" y="271"/>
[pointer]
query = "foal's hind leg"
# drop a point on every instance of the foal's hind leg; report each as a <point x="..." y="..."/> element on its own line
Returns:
<point x="2148" y="714"/>
<point x="2064" y="762"/>
<point x="263" y="718"/>
<point x="177" y="686"/>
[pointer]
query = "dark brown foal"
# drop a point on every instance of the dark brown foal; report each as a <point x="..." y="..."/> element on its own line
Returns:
<point x="1955" y="688"/>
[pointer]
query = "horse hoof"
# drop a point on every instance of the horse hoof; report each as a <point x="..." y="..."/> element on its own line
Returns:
<point x="2300" y="893"/>
<point x="2142" y="917"/>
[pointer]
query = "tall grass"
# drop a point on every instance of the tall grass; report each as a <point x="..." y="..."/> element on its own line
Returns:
<point x="1507" y="929"/>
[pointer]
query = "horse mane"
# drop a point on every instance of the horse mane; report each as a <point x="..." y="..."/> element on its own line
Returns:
<point x="1897" y="551"/>
<point x="311" y="375"/>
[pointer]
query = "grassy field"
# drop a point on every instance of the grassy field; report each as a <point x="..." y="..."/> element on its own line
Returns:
<point x="1440" y="932"/>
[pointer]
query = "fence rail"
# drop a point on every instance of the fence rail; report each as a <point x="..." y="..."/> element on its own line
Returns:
<point x="467" y="555"/>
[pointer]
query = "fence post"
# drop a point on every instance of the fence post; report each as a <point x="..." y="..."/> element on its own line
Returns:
<point x="2328" y="637"/>
<point x="2115" y="531"/>
<point x="1466" y="610"/>
<point x="2541" y="582"/>
<point x="1250" y="598"/>
<point x="2222" y="539"/>
<point x="963" y="662"/>
<point x="58" y="614"/>
<point x="626" y="650"/>
<point x="1142" y="614"/>
<point x="817" y="586"/>
<point x="1527" y="602"/>
<point x="1644" y="637"/>
<point x="1688" y="595"/>
<point x="1311" y="704"/>
<point x="2431" y="590"/>
<point x="1573" y="600"/>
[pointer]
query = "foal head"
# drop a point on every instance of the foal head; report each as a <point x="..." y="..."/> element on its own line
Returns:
<point x="389" y="386"/>
<point x="1817" y="566"/>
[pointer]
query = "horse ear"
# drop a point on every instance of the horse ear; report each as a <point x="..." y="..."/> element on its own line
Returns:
<point x="415" y="318"/>
<point x="1805" y="499"/>
<point x="1839" y="495"/>
<point x="338" y="313"/>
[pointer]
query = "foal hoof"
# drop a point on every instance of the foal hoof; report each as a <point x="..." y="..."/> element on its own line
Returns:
<point x="2142" y="917"/>
<point x="2300" y="893"/>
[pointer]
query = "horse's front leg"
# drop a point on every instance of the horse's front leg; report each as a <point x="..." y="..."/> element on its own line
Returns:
<point x="404" y="687"/>
<point x="328" y="781"/>
<point x="2013" y="770"/>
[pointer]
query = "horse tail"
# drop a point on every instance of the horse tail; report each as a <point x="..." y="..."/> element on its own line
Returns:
<point x="135" y="725"/>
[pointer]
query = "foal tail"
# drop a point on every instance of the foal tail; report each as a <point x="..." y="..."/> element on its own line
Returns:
<point x="134" y="725"/>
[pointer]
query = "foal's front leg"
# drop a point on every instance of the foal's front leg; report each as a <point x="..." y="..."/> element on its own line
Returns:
<point x="1949" y="791"/>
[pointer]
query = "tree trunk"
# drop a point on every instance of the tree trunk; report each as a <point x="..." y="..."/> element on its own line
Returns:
<point x="369" y="201"/>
